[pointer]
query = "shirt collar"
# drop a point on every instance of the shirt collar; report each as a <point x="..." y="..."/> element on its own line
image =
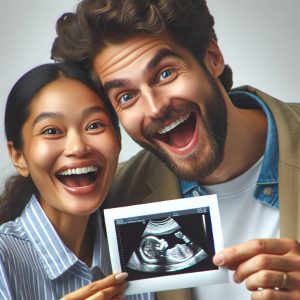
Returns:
<point x="268" y="177"/>
<point x="56" y="258"/>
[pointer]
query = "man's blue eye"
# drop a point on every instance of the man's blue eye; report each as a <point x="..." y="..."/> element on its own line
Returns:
<point x="165" y="74"/>
<point x="125" y="98"/>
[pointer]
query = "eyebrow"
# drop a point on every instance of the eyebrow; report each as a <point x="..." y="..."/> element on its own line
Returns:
<point x="113" y="84"/>
<point x="47" y="115"/>
<point x="162" y="53"/>
<point x="56" y="115"/>
<point x="93" y="109"/>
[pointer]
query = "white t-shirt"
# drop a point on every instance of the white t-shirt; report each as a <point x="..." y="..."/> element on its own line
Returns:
<point x="243" y="218"/>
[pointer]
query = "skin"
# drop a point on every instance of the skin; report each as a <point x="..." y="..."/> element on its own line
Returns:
<point x="110" y="287"/>
<point x="68" y="127"/>
<point x="125" y="73"/>
<point x="150" y="91"/>
<point x="261" y="263"/>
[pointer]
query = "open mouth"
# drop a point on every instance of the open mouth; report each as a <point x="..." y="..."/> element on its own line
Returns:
<point x="179" y="133"/>
<point x="78" y="177"/>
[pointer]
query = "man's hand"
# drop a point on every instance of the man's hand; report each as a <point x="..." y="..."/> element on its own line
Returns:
<point x="110" y="288"/>
<point x="270" y="267"/>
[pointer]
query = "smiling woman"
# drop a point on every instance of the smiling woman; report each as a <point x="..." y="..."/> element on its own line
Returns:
<point x="33" y="117"/>
<point x="63" y="139"/>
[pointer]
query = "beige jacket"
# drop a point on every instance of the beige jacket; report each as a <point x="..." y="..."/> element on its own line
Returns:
<point x="145" y="179"/>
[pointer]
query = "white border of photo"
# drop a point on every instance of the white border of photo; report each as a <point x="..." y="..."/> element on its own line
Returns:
<point x="175" y="281"/>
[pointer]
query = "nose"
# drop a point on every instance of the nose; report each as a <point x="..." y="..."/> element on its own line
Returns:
<point x="76" y="145"/>
<point x="157" y="102"/>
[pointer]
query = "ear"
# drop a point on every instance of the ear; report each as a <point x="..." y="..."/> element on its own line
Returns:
<point x="18" y="160"/>
<point x="213" y="59"/>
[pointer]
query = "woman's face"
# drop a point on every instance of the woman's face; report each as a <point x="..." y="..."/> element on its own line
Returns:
<point x="70" y="149"/>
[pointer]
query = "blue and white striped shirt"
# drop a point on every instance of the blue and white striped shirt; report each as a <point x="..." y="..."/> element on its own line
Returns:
<point x="35" y="263"/>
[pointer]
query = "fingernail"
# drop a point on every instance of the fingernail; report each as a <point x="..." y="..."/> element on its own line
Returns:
<point x="120" y="277"/>
<point x="218" y="259"/>
<point x="236" y="279"/>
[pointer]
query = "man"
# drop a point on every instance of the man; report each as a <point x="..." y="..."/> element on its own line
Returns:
<point x="162" y="69"/>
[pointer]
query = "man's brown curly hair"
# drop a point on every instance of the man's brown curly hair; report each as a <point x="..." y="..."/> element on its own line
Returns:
<point x="83" y="34"/>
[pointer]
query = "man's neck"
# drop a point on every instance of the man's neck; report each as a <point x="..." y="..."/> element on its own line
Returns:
<point x="245" y="144"/>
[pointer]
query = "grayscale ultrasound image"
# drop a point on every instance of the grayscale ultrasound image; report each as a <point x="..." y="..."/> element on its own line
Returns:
<point x="165" y="244"/>
<point x="156" y="253"/>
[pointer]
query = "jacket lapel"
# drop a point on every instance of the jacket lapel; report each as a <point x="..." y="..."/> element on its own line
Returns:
<point x="162" y="184"/>
<point x="288" y="128"/>
<point x="184" y="294"/>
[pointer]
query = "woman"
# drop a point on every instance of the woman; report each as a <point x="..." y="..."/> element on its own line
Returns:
<point x="64" y="141"/>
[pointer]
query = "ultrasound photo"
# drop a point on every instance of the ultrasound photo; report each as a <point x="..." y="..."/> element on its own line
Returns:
<point x="165" y="248"/>
<point x="166" y="243"/>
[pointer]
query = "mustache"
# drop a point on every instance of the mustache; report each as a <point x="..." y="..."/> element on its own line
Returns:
<point x="171" y="114"/>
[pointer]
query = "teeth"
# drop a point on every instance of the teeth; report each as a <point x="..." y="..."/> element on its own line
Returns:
<point x="78" y="171"/>
<point x="174" y="124"/>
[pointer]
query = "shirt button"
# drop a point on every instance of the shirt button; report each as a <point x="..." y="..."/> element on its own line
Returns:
<point x="196" y="194"/>
<point x="268" y="191"/>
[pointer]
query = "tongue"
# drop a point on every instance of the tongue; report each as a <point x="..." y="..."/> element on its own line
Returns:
<point x="76" y="180"/>
<point x="181" y="135"/>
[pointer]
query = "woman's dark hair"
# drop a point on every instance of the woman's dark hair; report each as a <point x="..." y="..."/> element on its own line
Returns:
<point x="18" y="189"/>
<point x="83" y="34"/>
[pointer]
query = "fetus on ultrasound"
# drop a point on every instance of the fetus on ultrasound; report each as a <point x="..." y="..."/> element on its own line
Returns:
<point x="165" y="248"/>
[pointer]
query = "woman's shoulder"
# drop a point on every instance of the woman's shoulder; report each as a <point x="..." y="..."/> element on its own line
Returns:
<point x="17" y="252"/>
<point x="11" y="227"/>
<point x="12" y="236"/>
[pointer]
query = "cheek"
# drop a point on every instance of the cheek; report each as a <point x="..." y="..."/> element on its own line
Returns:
<point x="42" y="155"/>
<point x="112" y="151"/>
<point x="109" y="149"/>
<point x="191" y="87"/>
<point x="108" y="146"/>
<point x="187" y="87"/>
<point x="131" y="120"/>
<point x="199" y="91"/>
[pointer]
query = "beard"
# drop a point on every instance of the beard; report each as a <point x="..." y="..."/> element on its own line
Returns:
<point x="197" y="166"/>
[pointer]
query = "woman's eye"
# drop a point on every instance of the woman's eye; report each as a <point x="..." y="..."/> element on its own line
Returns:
<point x="165" y="74"/>
<point x="125" y="98"/>
<point x="51" y="131"/>
<point x="95" y="125"/>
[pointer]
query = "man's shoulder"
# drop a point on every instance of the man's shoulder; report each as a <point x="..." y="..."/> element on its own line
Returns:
<point x="140" y="162"/>
<point x="138" y="178"/>
<point x="138" y="169"/>
<point x="275" y="105"/>
<point x="295" y="107"/>
<point x="265" y="96"/>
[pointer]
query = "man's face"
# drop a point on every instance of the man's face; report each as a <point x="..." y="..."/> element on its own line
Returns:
<point x="167" y="102"/>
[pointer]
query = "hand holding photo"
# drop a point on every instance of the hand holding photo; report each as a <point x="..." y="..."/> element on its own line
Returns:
<point x="166" y="245"/>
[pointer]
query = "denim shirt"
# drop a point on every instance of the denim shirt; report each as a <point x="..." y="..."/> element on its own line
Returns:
<point x="266" y="189"/>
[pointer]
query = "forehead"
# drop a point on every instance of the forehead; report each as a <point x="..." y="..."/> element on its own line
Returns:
<point x="65" y="92"/>
<point x="140" y="49"/>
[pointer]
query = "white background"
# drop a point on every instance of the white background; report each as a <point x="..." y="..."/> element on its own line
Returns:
<point x="259" y="40"/>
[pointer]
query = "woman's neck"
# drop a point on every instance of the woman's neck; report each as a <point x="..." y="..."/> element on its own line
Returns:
<point x="76" y="234"/>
